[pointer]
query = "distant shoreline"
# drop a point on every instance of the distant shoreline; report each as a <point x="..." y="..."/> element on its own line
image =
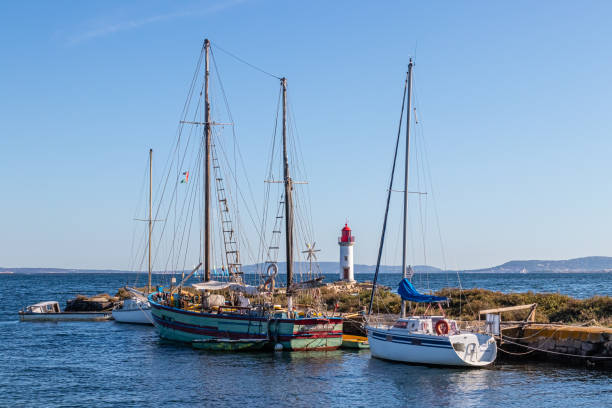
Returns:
<point x="591" y="264"/>
<point x="117" y="272"/>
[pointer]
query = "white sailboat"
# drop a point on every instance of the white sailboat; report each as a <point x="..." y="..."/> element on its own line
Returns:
<point x="137" y="309"/>
<point x="134" y="310"/>
<point x="434" y="340"/>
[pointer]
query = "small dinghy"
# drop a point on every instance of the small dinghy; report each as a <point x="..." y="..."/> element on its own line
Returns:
<point x="223" y="344"/>
<point x="50" y="311"/>
<point x="350" y="341"/>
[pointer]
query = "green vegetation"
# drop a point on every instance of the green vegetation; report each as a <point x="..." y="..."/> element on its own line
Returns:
<point x="465" y="304"/>
<point x="552" y="307"/>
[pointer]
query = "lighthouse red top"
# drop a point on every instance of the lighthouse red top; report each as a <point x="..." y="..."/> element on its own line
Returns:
<point x="346" y="234"/>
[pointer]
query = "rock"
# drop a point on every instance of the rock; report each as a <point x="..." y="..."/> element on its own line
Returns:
<point x="84" y="304"/>
<point x="587" y="346"/>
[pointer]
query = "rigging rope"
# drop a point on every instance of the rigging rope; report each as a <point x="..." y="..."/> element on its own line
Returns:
<point x="245" y="62"/>
<point x="382" y="237"/>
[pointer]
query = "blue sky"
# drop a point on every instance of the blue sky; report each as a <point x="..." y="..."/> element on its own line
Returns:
<point x="513" y="101"/>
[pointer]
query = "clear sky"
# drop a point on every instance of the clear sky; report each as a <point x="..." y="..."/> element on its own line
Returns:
<point x="513" y="101"/>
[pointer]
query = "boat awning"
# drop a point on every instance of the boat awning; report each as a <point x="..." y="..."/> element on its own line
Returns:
<point x="409" y="293"/>
<point x="211" y="285"/>
<point x="216" y="285"/>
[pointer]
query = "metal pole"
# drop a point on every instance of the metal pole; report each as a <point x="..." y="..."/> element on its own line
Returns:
<point x="150" y="212"/>
<point x="207" y="167"/>
<point x="288" y="203"/>
<point x="404" y="240"/>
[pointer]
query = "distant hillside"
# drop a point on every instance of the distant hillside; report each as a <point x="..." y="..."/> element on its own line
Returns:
<point x="332" y="268"/>
<point x="57" y="270"/>
<point x="587" y="264"/>
<point x="327" y="269"/>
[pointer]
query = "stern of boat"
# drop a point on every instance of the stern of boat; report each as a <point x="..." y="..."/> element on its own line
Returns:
<point x="474" y="349"/>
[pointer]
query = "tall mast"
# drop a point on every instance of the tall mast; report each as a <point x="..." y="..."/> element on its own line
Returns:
<point x="384" y="228"/>
<point x="150" y="212"/>
<point x="404" y="241"/>
<point x="288" y="203"/>
<point x="207" y="167"/>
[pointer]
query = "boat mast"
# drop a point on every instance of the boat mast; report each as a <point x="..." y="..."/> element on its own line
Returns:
<point x="150" y="212"/>
<point x="389" y="191"/>
<point x="404" y="240"/>
<point x="207" y="167"/>
<point x="288" y="203"/>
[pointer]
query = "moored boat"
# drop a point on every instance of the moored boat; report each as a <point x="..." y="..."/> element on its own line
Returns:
<point x="50" y="311"/>
<point x="177" y="319"/>
<point x="351" y="341"/>
<point x="302" y="333"/>
<point x="421" y="339"/>
<point x="137" y="309"/>
<point x="209" y="321"/>
<point x="134" y="310"/>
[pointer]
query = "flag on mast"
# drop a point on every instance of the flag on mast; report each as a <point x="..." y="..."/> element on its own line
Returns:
<point x="186" y="178"/>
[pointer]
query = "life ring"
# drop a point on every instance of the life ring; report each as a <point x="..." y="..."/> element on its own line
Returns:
<point x="442" y="327"/>
<point x="271" y="272"/>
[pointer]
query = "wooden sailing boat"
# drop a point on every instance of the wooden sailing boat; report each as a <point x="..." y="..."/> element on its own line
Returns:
<point x="292" y="329"/>
<point x="206" y="320"/>
<point x="137" y="309"/>
<point x="422" y="339"/>
<point x="199" y="319"/>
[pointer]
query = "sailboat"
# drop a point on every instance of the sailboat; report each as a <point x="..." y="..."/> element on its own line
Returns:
<point x="421" y="339"/>
<point x="202" y="317"/>
<point x="293" y="329"/>
<point x="137" y="309"/>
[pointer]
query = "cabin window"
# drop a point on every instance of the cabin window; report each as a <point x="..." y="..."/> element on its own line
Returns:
<point x="400" y="325"/>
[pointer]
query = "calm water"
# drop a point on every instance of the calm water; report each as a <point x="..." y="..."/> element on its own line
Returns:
<point x="109" y="364"/>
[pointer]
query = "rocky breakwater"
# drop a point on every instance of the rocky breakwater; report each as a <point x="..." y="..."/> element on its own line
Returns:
<point x="102" y="302"/>
<point x="591" y="346"/>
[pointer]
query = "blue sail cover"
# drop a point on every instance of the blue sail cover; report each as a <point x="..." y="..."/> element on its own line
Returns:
<point x="409" y="293"/>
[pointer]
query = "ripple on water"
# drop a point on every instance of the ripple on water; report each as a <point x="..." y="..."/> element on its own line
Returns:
<point x="105" y="363"/>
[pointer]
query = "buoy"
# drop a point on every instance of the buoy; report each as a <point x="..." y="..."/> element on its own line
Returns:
<point x="278" y="347"/>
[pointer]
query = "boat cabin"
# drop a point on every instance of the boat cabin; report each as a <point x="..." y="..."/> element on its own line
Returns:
<point x="427" y="325"/>
<point x="44" y="307"/>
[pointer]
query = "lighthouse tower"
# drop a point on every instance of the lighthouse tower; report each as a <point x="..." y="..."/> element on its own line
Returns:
<point x="346" y="242"/>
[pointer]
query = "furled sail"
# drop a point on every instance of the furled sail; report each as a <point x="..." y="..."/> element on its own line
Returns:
<point x="409" y="293"/>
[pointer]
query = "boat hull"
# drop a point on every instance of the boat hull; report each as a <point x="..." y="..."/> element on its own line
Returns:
<point x="229" y="345"/>
<point x="65" y="316"/>
<point x="188" y="326"/>
<point x="431" y="349"/>
<point x="135" y="316"/>
<point x="309" y="333"/>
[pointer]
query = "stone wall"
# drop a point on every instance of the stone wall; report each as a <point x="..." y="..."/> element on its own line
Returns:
<point x="575" y="344"/>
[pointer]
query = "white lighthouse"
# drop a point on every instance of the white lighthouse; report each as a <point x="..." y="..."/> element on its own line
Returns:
<point x="346" y="242"/>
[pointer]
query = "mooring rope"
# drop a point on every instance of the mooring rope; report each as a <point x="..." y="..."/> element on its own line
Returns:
<point x="556" y="352"/>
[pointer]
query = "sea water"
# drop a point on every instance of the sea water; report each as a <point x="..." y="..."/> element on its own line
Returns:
<point x="83" y="364"/>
